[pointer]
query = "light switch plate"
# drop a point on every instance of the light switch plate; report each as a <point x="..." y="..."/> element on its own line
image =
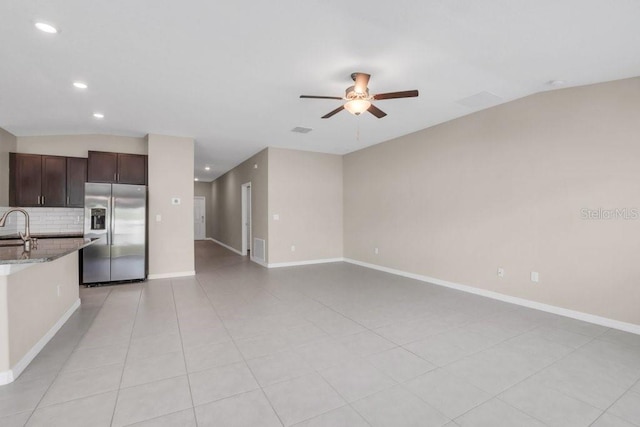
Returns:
<point x="276" y="217"/>
<point x="158" y="218"/>
<point x="175" y="200"/>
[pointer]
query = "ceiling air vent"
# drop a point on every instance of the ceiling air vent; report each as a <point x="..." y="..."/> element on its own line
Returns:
<point x="482" y="99"/>
<point x="299" y="129"/>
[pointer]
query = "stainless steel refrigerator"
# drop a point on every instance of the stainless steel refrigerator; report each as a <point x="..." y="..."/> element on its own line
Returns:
<point x="116" y="215"/>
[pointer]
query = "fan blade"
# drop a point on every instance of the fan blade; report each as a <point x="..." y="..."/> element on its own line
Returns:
<point x="362" y="80"/>
<point x="334" y="112"/>
<point x="376" y="111"/>
<point x="320" y="97"/>
<point x="392" y="95"/>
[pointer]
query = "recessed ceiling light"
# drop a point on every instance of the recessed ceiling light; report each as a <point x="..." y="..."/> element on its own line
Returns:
<point x="556" y="83"/>
<point x="196" y="179"/>
<point x="300" y="129"/>
<point x="46" y="28"/>
<point x="207" y="168"/>
<point x="80" y="85"/>
<point x="98" y="115"/>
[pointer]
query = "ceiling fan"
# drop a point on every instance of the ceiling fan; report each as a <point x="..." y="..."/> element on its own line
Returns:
<point x="359" y="100"/>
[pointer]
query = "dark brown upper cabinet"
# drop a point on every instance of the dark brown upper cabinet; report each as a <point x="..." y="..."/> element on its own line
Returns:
<point x="25" y="179"/>
<point x="76" y="177"/>
<point x="46" y="181"/>
<point x="118" y="168"/>
<point x="54" y="181"/>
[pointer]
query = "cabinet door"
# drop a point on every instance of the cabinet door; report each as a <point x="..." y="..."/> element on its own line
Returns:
<point x="76" y="177"/>
<point x="25" y="179"/>
<point x="102" y="166"/>
<point x="54" y="181"/>
<point x="132" y="169"/>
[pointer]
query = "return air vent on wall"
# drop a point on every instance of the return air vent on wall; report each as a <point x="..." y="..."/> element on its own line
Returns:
<point x="258" y="250"/>
<point x="482" y="99"/>
<point x="299" y="129"/>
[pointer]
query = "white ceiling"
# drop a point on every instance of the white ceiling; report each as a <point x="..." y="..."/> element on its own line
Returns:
<point x="229" y="73"/>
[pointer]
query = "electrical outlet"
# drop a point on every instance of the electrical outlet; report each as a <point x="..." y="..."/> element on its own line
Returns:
<point x="293" y="248"/>
<point x="535" y="277"/>
<point x="375" y="251"/>
<point x="500" y="272"/>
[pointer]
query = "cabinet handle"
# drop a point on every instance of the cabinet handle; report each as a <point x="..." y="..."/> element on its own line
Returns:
<point x="38" y="199"/>
<point x="43" y="200"/>
<point x="68" y="200"/>
<point x="115" y="177"/>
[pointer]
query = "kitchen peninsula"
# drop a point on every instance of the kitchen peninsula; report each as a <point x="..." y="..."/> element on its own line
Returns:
<point x="38" y="293"/>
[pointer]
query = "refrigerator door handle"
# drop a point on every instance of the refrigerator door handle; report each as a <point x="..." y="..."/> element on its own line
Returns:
<point x="112" y="225"/>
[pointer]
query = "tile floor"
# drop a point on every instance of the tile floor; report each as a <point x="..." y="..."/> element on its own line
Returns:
<point x="327" y="345"/>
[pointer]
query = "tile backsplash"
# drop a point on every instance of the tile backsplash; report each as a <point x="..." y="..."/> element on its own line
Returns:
<point x="45" y="220"/>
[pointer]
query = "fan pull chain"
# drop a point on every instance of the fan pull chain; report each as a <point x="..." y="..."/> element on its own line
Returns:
<point x="358" y="128"/>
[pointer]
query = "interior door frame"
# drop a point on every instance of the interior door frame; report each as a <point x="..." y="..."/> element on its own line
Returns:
<point x="246" y="215"/>
<point x="204" y="199"/>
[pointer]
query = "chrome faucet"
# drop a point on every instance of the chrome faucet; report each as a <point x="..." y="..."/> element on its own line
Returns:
<point x="26" y="236"/>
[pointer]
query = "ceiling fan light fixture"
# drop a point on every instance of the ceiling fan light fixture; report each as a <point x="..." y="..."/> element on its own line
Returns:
<point x="357" y="106"/>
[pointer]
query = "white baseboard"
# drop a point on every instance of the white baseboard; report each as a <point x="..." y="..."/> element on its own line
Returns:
<point x="225" y="246"/>
<point x="578" y="315"/>
<point x="307" y="262"/>
<point x="9" y="376"/>
<point x="257" y="261"/>
<point x="171" y="275"/>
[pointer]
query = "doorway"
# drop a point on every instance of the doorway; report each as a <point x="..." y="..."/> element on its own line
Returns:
<point x="246" y="218"/>
<point x="199" y="218"/>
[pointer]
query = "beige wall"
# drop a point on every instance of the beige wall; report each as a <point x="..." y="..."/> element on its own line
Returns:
<point x="79" y="145"/>
<point x="203" y="189"/>
<point x="226" y="214"/>
<point x="170" y="175"/>
<point x="8" y="144"/>
<point x="505" y="187"/>
<point x="305" y="190"/>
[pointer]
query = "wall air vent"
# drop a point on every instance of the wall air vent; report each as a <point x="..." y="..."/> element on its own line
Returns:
<point x="299" y="129"/>
<point x="258" y="252"/>
<point x="482" y="99"/>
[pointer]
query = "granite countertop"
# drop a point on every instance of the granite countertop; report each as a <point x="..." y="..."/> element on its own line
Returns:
<point x="44" y="250"/>
<point x="62" y="234"/>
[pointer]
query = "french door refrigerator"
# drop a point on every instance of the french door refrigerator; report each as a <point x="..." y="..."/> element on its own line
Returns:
<point x="114" y="214"/>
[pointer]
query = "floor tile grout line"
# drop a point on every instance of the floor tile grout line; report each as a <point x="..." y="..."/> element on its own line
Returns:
<point x="184" y="357"/>
<point x="536" y="325"/>
<point x="616" y="401"/>
<point x="239" y="352"/>
<point x="497" y="395"/>
<point x="334" y="338"/>
<point x="133" y="327"/>
<point x="158" y="417"/>
<point x="314" y="370"/>
<point x="67" y="360"/>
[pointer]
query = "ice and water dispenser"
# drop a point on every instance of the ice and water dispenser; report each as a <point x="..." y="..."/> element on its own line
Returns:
<point x="98" y="218"/>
